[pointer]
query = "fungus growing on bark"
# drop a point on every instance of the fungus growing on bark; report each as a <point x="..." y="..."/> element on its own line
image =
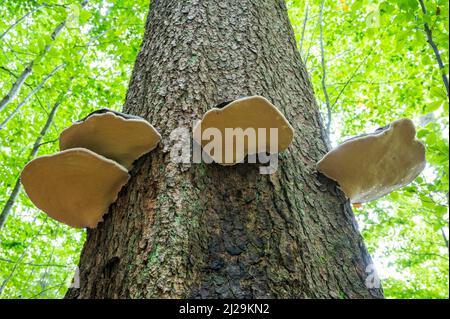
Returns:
<point x="75" y="186"/>
<point x="120" y="137"/>
<point x="255" y="113"/>
<point x="370" y="166"/>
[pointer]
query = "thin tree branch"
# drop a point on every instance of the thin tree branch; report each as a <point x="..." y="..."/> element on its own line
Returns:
<point x="21" y="19"/>
<point x="41" y="104"/>
<point x="13" y="75"/>
<point x="406" y="251"/>
<point x="29" y="69"/>
<point x="356" y="70"/>
<point x="444" y="237"/>
<point x="2" y="287"/>
<point x="49" y="142"/>
<point x="44" y="277"/>
<point x="8" y="71"/>
<point x="47" y="289"/>
<point x="402" y="81"/>
<point x="37" y="144"/>
<point x="25" y="100"/>
<point x="33" y="269"/>
<point x="33" y="264"/>
<point x="435" y="49"/>
<point x="304" y="27"/>
<point x="311" y="41"/>
<point x="324" y="71"/>
<point x="350" y="78"/>
<point x="16" y="87"/>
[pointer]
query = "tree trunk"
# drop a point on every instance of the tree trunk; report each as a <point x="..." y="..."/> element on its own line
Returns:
<point x="208" y="231"/>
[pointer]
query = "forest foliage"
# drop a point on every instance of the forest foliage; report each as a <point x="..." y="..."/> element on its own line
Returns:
<point x="369" y="61"/>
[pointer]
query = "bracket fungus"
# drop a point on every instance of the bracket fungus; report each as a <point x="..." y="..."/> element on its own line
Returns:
<point x="74" y="186"/>
<point x="272" y="132"/>
<point x="370" y="166"/>
<point x="120" y="137"/>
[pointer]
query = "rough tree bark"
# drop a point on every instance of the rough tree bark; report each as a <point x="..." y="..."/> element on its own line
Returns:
<point x="207" y="231"/>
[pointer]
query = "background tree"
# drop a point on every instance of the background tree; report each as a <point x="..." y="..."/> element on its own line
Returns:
<point x="379" y="68"/>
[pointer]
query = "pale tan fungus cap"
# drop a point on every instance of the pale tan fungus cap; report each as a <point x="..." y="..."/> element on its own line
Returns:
<point x="249" y="112"/>
<point x="75" y="186"/>
<point x="117" y="136"/>
<point x="372" y="165"/>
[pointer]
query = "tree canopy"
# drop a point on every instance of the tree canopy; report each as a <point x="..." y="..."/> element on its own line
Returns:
<point x="370" y="62"/>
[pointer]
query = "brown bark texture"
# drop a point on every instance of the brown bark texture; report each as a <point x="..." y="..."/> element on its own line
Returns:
<point x="209" y="231"/>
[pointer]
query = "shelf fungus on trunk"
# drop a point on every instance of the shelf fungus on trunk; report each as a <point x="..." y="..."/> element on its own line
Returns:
<point x="121" y="137"/>
<point x="248" y="126"/>
<point x="74" y="186"/>
<point x="370" y="166"/>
